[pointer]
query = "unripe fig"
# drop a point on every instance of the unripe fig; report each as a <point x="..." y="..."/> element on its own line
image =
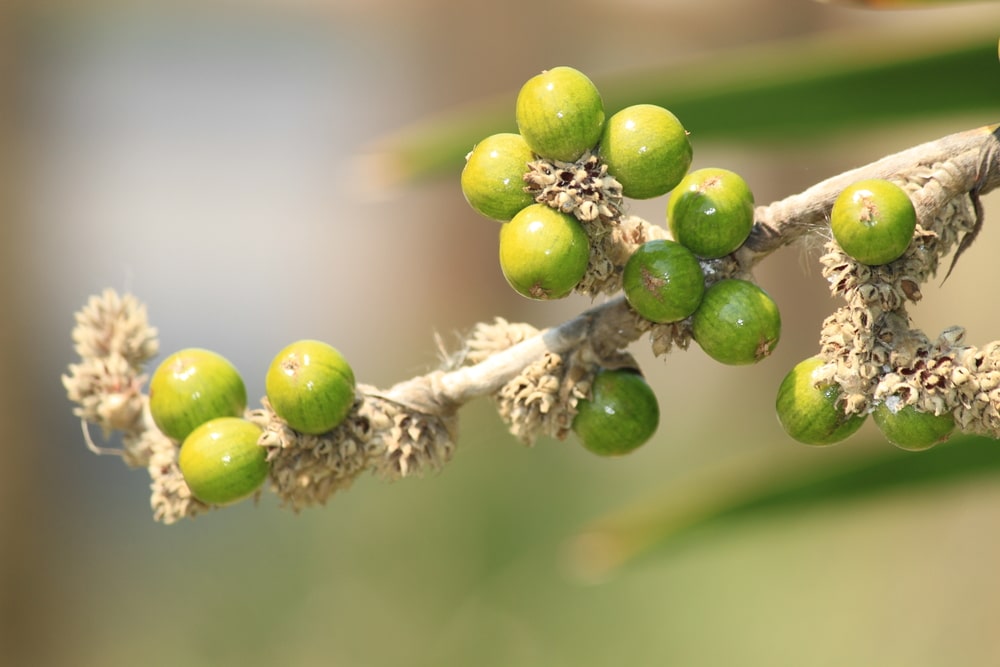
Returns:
<point x="711" y="212"/>
<point x="873" y="221"/>
<point x="737" y="322"/>
<point x="222" y="462"/>
<point x="809" y="409"/>
<point x="191" y="387"/>
<point x="621" y="414"/>
<point x="663" y="281"/>
<point x="646" y="149"/>
<point x="560" y="114"/>
<point x="311" y="386"/>
<point x="908" y="428"/>
<point x="543" y="252"/>
<point x="493" y="176"/>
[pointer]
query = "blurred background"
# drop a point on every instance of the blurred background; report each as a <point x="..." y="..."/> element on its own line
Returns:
<point x="247" y="170"/>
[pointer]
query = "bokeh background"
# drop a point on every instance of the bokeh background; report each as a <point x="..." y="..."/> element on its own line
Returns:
<point x="232" y="165"/>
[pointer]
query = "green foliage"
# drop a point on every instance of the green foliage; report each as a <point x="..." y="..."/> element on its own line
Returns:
<point x="732" y="492"/>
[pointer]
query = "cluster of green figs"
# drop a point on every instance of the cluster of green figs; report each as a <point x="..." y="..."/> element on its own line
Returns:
<point x="873" y="222"/>
<point x="544" y="252"/>
<point x="198" y="399"/>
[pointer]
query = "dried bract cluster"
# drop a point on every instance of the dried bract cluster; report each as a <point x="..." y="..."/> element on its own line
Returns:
<point x="171" y="498"/>
<point x="875" y="355"/>
<point x="308" y="469"/>
<point x="486" y="339"/>
<point x="585" y="190"/>
<point x="542" y="399"/>
<point x="113" y="338"/>
<point x="378" y="435"/>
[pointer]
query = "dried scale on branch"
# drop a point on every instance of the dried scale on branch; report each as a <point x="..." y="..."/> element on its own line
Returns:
<point x="538" y="379"/>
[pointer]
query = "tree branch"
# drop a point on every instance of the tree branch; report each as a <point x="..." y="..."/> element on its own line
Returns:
<point x="967" y="163"/>
<point x="972" y="159"/>
<point x="537" y="377"/>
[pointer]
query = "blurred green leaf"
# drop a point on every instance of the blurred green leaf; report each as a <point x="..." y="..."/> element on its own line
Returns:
<point x="808" y="89"/>
<point x="747" y="489"/>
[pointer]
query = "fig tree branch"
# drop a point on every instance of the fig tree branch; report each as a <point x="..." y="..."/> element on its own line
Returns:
<point x="966" y="163"/>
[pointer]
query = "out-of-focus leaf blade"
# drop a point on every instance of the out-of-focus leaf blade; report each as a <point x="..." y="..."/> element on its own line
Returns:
<point x="805" y="90"/>
<point x="758" y="487"/>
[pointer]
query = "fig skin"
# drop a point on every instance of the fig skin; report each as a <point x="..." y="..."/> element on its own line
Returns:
<point x="620" y="415"/>
<point x="560" y="114"/>
<point x="711" y="211"/>
<point x="493" y="176"/>
<point x="646" y="149"/>
<point x="912" y="430"/>
<point x="222" y="462"/>
<point x="663" y="281"/>
<point x="311" y="386"/>
<point x="737" y="323"/>
<point x="192" y="386"/>
<point x="873" y="221"/>
<point x="810" y="411"/>
<point x="544" y="253"/>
